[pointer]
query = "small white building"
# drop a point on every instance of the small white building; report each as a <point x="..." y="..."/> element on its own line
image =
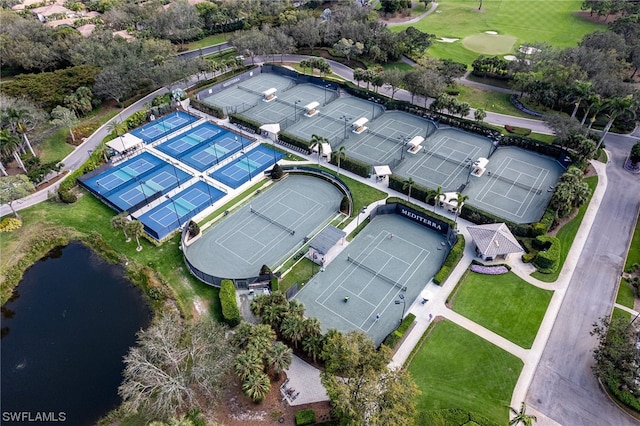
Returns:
<point x="494" y="241"/>
<point x="359" y="125"/>
<point x="449" y="201"/>
<point x="312" y="109"/>
<point x="324" y="247"/>
<point x="269" y="94"/>
<point x="125" y="143"/>
<point x="479" y="166"/>
<point x="415" y="145"/>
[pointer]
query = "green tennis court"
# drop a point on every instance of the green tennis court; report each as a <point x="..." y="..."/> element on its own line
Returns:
<point x="260" y="232"/>
<point x="388" y="256"/>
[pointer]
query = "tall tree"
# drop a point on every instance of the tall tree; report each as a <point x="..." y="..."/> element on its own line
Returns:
<point x="341" y="154"/>
<point x="460" y="200"/>
<point x="279" y="358"/>
<point x="176" y="366"/>
<point x="135" y="228"/>
<point x="61" y="116"/>
<point x="120" y="222"/>
<point x="12" y="188"/>
<point x="362" y="389"/>
<point x="614" y="107"/>
<point x="9" y="145"/>
<point x="393" y="78"/>
<point x="408" y="184"/>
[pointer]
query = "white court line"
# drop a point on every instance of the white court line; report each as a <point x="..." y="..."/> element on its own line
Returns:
<point x="519" y="213"/>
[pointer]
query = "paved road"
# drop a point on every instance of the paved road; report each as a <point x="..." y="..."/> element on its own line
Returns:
<point x="564" y="388"/>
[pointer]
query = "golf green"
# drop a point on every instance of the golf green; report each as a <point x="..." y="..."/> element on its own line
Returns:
<point x="489" y="44"/>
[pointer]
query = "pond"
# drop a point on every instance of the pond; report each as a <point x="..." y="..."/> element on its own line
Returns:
<point x="65" y="331"/>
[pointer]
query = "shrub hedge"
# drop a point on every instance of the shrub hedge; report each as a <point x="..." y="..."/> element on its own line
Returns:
<point x="295" y="141"/>
<point x="305" y="417"/>
<point x="351" y="164"/>
<point x="548" y="257"/>
<point x="206" y="108"/>
<point x="396" y="335"/>
<point x="625" y="397"/>
<point x="244" y="121"/>
<point x="451" y="261"/>
<point x="230" y="311"/>
<point x="419" y="192"/>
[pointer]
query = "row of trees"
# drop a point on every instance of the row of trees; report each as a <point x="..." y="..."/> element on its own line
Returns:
<point x="129" y="227"/>
<point x="363" y="390"/>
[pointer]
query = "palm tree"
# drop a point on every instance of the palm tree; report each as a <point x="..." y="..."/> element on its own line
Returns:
<point x="9" y="145"/>
<point x="116" y="126"/>
<point x="279" y="358"/>
<point x="479" y="115"/>
<point x="408" y="184"/>
<point x="258" y="304"/>
<point x="19" y="121"/>
<point x="313" y="345"/>
<point x="247" y="363"/>
<point x="521" y="416"/>
<point x="460" y="200"/>
<point x="256" y="386"/>
<point x="243" y="334"/>
<point x="135" y="228"/>
<point x="311" y="327"/>
<point x="437" y="194"/>
<point x="120" y="222"/>
<point x="341" y="154"/>
<point x="616" y="106"/>
<point x="293" y="329"/>
<point x="317" y="141"/>
<point x="295" y="308"/>
<point x="595" y="103"/>
<point x="581" y="90"/>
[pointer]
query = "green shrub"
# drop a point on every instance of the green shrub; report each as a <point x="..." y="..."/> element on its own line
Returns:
<point x="194" y="229"/>
<point x="396" y="335"/>
<point x="265" y="270"/>
<point x="305" y="417"/>
<point x="244" y="121"/>
<point x="344" y="204"/>
<point x="355" y="166"/>
<point x="451" y="261"/>
<point x="295" y="141"/>
<point x="206" y="108"/>
<point x="624" y="397"/>
<point x="276" y="172"/>
<point x="275" y="284"/>
<point x="548" y="257"/>
<point x="67" y="196"/>
<point x="418" y="192"/>
<point x="227" y="295"/>
<point x="528" y="257"/>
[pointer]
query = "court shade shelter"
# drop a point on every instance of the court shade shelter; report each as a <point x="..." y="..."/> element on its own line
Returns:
<point x="322" y="246"/>
<point x="449" y="200"/>
<point x="272" y="130"/>
<point x="494" y="241"/>
<point x="125" y="143"/>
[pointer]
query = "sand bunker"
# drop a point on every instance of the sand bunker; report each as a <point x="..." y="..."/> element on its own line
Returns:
<point x="510" y="58"/>
<point x="447" y="40"/>
<point x="491" y="32"/>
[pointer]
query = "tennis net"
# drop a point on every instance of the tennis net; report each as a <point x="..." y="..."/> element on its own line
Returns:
<point x="518" y="184"/>
<point x="377" y="274"/>
<point x="246" y="89"/>
<point x="268" y="219"/>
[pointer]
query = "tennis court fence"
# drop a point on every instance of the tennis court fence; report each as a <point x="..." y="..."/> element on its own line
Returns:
<point x="268" y="219"/>
<point x="377" y="274"/>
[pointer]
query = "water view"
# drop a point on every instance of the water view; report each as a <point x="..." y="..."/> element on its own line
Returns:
<point x="64" y="333"/>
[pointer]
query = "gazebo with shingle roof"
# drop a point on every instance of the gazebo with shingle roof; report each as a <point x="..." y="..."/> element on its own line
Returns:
<point x="494" y="241"/>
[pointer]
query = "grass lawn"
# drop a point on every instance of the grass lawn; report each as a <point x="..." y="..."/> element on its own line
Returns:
<point x="207" y="41"/>
<point x="567" y="234"/>
<point x="457" y="369"/>
<point x="634" y="249"/>
<point x="505" y="304"/>
<point x="56" y="147"/>
<point x="90" y="215"/>
<point x="626" y="294"/>
<point x="548" y="21"/>
<point x="619" y="313"/>
<point x="489" y="100"/>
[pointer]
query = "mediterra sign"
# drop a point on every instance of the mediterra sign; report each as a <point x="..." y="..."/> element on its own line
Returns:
<point x="429" y="223"/>
<point x="230" y="82"/>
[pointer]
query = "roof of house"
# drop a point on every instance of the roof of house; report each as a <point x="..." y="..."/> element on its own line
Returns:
<point x="327" y="239"/>
<point x="494" y="239"/>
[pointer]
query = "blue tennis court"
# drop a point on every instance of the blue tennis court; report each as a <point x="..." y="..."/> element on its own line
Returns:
<point x="246" y="167"/>
<point x="116" y="177"/>
<point x="163" y="126"/>
<point x="205" y="156"/>
<point x="182" y="143"/>
<point x="140" y="192"/>
<point x="179" y="209"/>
